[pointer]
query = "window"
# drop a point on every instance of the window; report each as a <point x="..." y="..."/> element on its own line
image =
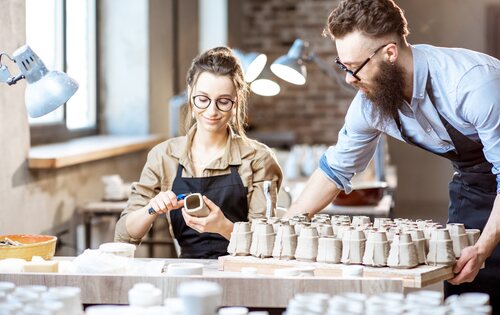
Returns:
<point x="63" y="34"/>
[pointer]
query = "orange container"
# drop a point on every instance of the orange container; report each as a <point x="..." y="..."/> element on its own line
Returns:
<point x="33" y="245"/>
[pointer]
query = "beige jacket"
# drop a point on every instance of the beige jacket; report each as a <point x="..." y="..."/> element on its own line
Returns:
<point x="256" y="164"/>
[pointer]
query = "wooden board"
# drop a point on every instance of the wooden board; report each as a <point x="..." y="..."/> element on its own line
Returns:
<point x="418" y="277"/>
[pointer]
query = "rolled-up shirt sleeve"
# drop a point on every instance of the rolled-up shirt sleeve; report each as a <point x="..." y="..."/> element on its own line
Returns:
<point x="356" y="144"/>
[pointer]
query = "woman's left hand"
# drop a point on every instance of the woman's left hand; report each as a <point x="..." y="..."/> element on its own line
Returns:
<point x="215" y="222"/>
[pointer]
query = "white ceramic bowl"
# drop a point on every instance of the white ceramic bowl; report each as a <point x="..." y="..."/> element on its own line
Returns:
<point x="185" y="269"/>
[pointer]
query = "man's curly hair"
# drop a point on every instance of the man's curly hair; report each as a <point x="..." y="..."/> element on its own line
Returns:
<point x="375" y="18"/>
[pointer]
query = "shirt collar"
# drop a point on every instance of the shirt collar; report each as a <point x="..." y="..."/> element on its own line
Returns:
<point x="420" y="73"/>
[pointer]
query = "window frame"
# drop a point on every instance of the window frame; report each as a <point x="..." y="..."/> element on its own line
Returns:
<point x="59" y="132"/>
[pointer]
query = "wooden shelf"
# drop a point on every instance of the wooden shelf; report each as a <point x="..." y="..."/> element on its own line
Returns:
<point x="81" y="150"/>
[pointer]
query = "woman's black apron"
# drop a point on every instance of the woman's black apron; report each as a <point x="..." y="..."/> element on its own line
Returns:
<point x="472" y="194"/>
<point x="227" y="192"/>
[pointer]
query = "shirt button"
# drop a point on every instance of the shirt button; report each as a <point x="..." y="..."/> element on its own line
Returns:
<point x="428" y="130"/>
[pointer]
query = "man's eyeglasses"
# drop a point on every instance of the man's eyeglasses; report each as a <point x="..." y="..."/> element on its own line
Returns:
<point x="355" y="72"/>
<point x="223" y="104"/>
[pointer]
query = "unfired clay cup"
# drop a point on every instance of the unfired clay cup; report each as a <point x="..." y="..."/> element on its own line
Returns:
<point x="307" y="245"/>
<point x="195" y="206"/>
<point x="329" y="250"/>
<point x="285" y="243"/>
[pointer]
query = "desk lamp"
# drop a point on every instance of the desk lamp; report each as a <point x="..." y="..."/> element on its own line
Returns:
<point x="46" y="90"/>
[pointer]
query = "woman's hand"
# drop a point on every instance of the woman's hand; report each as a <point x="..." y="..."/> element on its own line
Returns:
<point x="165" y="201"/>
<point x="215" y="222"/>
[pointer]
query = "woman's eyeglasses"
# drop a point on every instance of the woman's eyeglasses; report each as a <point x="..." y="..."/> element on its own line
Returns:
<point x="355" y="72"/>
<point x="223" y="104"/>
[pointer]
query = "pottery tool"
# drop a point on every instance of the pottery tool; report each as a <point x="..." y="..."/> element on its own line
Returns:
<point x="152" y="211"/>
<point x="267" y="194"/>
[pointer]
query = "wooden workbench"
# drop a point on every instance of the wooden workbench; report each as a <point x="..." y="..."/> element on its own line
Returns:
<point x="238" y="289"/>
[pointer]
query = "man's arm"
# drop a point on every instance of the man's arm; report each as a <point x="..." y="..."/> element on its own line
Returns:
<point x="473" y="257"/>
<point x="317" y="194"/>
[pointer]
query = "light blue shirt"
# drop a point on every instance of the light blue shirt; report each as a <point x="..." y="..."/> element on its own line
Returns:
<point x="466" y="88"/>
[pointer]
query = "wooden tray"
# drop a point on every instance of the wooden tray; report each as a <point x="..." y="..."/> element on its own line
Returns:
<point x="418" y="277"/>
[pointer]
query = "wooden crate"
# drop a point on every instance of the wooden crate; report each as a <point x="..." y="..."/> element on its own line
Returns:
<point x="418" y="277"/>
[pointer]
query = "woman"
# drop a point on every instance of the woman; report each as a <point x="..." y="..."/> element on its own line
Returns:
<point x="215" y="159"/>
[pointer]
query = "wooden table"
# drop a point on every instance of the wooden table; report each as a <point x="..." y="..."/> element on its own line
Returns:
<point x="238" y="289"/>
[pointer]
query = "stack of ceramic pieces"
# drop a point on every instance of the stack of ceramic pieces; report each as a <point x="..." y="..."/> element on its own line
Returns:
<point x="418" y="239"/>
<point x="440" y="249"/>
<point x="347" y="303"/>
<point x="360" y="220"/>
<point x="263" y="241"/>
<point x="353" y="246"/>
<point x="307" y="244"/>
<point x="469" y="303"/>
<point x="324" y="229"/>
<point x="308" y="304"/>
<point x="285" y="242"/>
<point x="403" y="253"/>
<point x="329" y="250"/>
<point x="458" y="237"/>
<point x="376" y="249"/>
<point x="241" y="239"/>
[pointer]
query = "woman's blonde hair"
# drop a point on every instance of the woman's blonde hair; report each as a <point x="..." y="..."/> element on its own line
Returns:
<point x="220" y="61"/>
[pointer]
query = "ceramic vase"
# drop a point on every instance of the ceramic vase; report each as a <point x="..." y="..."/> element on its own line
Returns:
<point x="307" y="244"/>
<point x="376" y="249"/>
<point x="441" y="248"/>
<point x="329" y="250"/>
<point x="353" y="246"/>
<point x="241" y="239"/>
<point x="262" y="241"/>
<point x="285" y="242"/>
<point x="403" y="253"/>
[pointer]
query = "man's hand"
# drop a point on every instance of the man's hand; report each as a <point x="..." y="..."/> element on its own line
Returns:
<point x="215" y="222"/>
<point x="468" y="265"/>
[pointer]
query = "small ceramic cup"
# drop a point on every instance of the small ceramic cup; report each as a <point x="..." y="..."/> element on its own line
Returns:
<point x="353" y="246"/>
<point x="195" y="206"/>
<point x="307" y="244"/>
<point x="329" y="250"/>
<point x="473" y="235"/>
<point x="403" y="253"/>
<point x="285" y="243"/>
<point x="262" y="241"/>
<point x="376" y="250"/>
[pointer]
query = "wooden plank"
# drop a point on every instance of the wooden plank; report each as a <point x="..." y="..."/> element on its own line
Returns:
<point x="238" y="289"/>
<point x="88" y="149"/>
<point x="418" y="277"/>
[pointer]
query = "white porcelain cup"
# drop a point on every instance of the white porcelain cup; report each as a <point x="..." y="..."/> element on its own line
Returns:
<point x="200" y="297"/>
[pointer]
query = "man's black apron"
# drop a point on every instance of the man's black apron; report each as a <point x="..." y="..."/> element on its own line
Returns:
<point x="227" y="192"/>
<point x="472" y="194"/>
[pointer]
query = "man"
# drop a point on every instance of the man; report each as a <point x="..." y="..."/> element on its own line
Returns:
<point x="446" y="101"/>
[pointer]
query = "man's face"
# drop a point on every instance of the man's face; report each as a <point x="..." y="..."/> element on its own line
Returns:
<point x="381" y="82"/>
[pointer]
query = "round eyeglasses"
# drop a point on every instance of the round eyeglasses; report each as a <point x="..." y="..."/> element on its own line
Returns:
<point x="223" y="104"/>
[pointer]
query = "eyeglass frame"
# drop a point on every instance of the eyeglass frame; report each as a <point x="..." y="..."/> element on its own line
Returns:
<point x="216" y="103"/>
<point x="355" y="72"/>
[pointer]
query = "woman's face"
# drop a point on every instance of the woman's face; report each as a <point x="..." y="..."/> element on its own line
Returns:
<point x="209" y="90"/>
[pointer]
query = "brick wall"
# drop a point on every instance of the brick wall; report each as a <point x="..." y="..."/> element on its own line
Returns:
<point x="314" y="111"/>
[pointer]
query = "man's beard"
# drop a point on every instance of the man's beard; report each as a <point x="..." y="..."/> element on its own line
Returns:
<point x="387" y="93"/>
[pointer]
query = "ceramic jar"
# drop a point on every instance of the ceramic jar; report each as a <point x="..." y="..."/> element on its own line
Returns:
<point x="241" y="239"/>
<point x="353" y="246"/>
<point x="403" y="253"/>
<point x="377" y="249"/>
<point x="458" y="237"/>
<point x="441" y="248"/>
<point x="329" y="250"/>
<point x="307" y="244"/>
<point x="285" y="242"/>
<point x="262" y="240"/>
